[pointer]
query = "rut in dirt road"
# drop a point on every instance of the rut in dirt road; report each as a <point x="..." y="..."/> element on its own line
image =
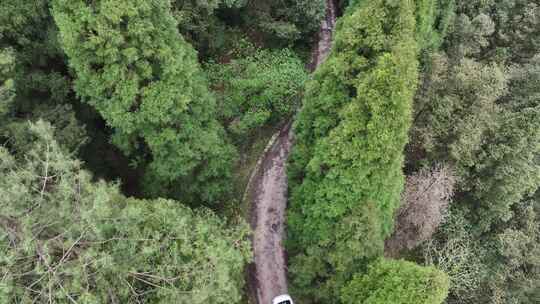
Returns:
<point x="267" y="193"/>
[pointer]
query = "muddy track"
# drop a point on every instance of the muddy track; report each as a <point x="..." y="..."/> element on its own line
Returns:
<point x="324" y="42"/>
<point x="267" y="194"/>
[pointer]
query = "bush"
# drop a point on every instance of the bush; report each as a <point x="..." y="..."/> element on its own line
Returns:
<point x="397" y="282"/>
<point x="261" y="89"/>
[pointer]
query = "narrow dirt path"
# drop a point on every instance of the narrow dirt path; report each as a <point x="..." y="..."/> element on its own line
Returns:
<point x="269" y="199"/>
<point x="324" y="44"/>
<point x="267" y="192"/>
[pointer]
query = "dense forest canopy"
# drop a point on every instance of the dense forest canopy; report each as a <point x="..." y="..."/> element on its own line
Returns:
<point x="70" y="237"/>
<point x="133" y="66"/>
<point x="346" y="175"/>
<point x="129" y="130"/>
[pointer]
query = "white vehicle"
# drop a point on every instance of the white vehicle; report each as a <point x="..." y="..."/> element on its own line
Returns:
<point x="283" y="299"/>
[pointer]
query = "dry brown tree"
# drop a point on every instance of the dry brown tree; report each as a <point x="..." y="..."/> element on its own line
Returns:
<point x="425" y="201"/>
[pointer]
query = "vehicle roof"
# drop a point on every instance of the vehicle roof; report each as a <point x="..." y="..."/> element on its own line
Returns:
<point x="281" y="298"/>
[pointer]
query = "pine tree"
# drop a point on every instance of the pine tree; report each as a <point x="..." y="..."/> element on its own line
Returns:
<point x="133" y="66"/>
<point x="38" y="72"/>
<point x="483" y="117"/>
<point x="65" y="237"/>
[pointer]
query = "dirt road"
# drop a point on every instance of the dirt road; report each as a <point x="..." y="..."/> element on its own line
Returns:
<point x="269" y="197"/>
<point x="267" y="192"/>
<point x="324" y="44"/>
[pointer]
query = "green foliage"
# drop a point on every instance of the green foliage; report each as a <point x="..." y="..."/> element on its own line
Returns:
<point x="17" y="15"/>
<point x="65" y="237"/>
<point x="501" y="267"/>
<point x="479" y="110"/>
<point x="286" y="20"/>
<point x="28" y="28"/>
<point x="7" y="85"/>
<point x="433" y="17"/>
<point x="345" y="249"/>
<point x="198" y="23"/>
<point x="144" y="79"/>
<point x="518" y="250"/>
<point x="484" y="119"/>
<point x="458" y="254"/>
<point x="397" y="282"/>
<point x="214" y="26"/>
<point x="37" y="71"/>
<point x="458" y="107"/>
<point x="307" y="14"/>
<point x="346" y="167"/>
<point x="517" y="37"/>
<point x="258" y="90"/>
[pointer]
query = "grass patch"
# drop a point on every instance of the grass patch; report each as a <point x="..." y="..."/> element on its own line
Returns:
<point x="249" y="154"/>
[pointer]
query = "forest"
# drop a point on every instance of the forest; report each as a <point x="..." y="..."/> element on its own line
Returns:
<point x="134" y="136"/>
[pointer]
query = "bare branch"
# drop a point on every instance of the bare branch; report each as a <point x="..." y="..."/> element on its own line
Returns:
<point x="424" y="207"/>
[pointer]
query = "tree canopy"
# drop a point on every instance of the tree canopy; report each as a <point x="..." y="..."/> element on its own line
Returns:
<point x="65" y="236"/>
<point x="416" y="139"/>
<point x="477" y="110"/>
<point x="397" y="282"/>
<point x="346" y="167"/>
<point x="132" y="65"/>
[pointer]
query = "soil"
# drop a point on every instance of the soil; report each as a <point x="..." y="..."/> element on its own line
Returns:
<point x="269" y="197"/>
<point x="324" y="44"/>
<point x="267" y="193"/>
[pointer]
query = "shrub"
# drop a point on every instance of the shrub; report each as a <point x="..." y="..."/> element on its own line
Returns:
<point x="261" y="89"/>
<point x="397" y="282"/>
